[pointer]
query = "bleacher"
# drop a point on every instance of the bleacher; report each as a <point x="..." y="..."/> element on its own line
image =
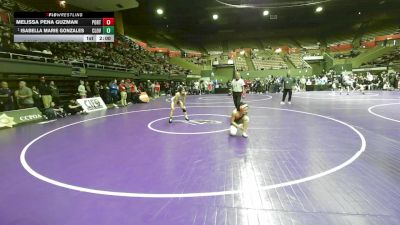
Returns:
<point x="370" y="36"/>
<point x="240" y="63"/>
<point x="188" y="47"/>
<point x="240" y="44"/>
<point x="213" y="48"/>
<point x="340" y="40"/>
<point x="159" y="42"/>
<point x="308" y="43"/>
<point x="266" y="61"/>
<point x="392" y="58"/>
<point x="279" y="43"/>
<point x="298" y="61"/>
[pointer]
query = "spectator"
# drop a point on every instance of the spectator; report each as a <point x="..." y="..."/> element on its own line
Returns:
<point x="122" y="91"/>
<point x="105" y="94"/>
<point x="152" y="88"/>
<point x="157" y="89"/>
<point x="55" y="93"/>
<point x="89" y="93"/>
<point x="149" y="88"/>
<point x="96" y="89"/>
<point x="196" y="87"/>
<point x="24" y="96"/>
<point x="45" y="93"/>
<point x="82" y="89"/>
<point x="134" y="93"/>
<point x="167" y="88"/>
<point x="128" y="90"/>
<point x="303" y="83"/>
<point x="72" y="107"/>
<point x="6" y="99"/>
<point x="114" y="91"/>
<point x="54" y="112"/>
<point x="58" y="110"/>
<point x="37" y="98"/>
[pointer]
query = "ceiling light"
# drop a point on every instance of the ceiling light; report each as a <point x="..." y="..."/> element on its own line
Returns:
<point x="215" y="16"/>
<point x="160" y="11"/>
<point x="62" y="3"/>
<point x="265" y="13"/>
<point x="319" y="9"/>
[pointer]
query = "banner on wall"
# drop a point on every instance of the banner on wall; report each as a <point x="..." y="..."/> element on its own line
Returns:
<point x="193" y="76"/>
<point x="313" y="58"/>
<point x="92" y="104"/>
<point x="370" y="69"/>
<point x="15" y="117"/>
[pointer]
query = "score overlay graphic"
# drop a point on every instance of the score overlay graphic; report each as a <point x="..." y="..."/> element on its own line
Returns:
<point x="64" y="27"/>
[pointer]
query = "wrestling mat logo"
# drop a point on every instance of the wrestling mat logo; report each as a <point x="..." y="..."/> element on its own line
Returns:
<point x="6" y="121"/>
<point x="198" y="122"/>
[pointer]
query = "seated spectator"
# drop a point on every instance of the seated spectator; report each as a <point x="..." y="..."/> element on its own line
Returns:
<point x="72" y="107"/>
<point x="54" y="112"/>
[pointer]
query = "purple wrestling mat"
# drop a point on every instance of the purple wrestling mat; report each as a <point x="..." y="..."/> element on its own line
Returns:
<point x="325" y="159"/>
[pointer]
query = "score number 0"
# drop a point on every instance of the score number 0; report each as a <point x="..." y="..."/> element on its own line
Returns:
<point x="108" y="21"/>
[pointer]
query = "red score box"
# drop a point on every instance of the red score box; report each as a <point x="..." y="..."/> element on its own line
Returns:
<point x="108" y="21"/>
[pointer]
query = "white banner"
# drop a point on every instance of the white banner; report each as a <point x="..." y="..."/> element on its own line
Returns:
<point x="92" y="104"/>
<point x="370" y="69"/>
<point x="193" y="76"/>
<point x="311" y="58"/>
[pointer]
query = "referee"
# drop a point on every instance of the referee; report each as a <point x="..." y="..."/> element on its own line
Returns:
<point x="287" y="85"/>
<point x="237" y="90"/>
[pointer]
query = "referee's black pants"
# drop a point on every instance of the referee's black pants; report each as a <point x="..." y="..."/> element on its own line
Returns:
<point x="237" y="97"/>
<point x="285" y="91"/>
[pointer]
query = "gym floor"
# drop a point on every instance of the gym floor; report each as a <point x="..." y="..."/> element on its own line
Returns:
<point x="325" y="159"/>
